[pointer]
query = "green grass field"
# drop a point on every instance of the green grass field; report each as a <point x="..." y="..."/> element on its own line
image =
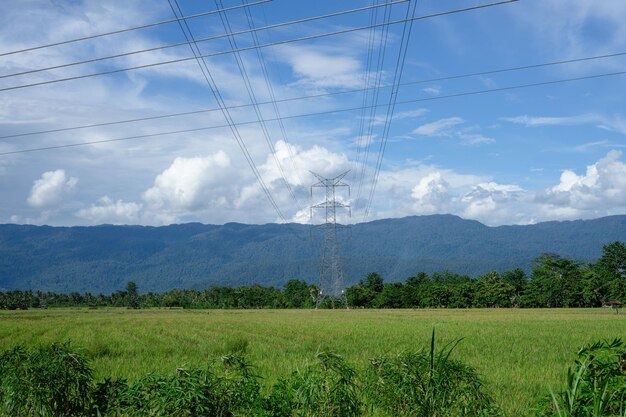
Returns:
<point x="520" y="353"/>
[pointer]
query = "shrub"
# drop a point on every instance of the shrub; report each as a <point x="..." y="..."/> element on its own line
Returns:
<point x="47" y="382"/>
<point x="428" y="384"/>
<point x="326" y="389"/>
<point x="279" y="403"/>
<point x="596" y="384"/>
<point x="190" y="392"/>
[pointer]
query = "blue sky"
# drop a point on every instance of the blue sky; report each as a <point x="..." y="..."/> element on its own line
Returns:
<point x="517" y="156"/>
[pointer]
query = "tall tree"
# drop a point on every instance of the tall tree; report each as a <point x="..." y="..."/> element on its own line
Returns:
<point x="132" y="295"/>
<point x="555" y="282"/>
<point x="297" y="293"/>
<point x="611" y="268"/>
<point x="365" y="292"/>
<point x="493" y="291"/>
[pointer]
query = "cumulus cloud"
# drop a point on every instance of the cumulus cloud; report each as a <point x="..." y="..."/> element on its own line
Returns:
<point x="431" y="194"/>
<point x="51" y="188"/>
<point x="301" y="161"/>
<point x="420" y="189"/>
<point x="600" y="189"/>
<point x="184" y="183"/>
<point x="214" y="189"/>
<point x="444" y="191"/>
<point x="298" y="163"/>
<point x="112" y="212"/>
<point x="494" y="203"/>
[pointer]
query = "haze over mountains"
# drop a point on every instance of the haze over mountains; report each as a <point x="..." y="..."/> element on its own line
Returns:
<point x="104" y="258"/>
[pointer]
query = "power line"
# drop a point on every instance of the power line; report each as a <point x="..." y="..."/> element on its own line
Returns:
<point x="451" y="77"/>
<point x="305" y="38"/>
<point x="374" y="107"/>
<point x="362" y="125"/>
<point x="463" y="94"/>
<point x="218" y="97"/>
<point x="84" y="38"/>
<point x="205" y="39"/>
<point x="366" y="81"/>
<point x="250" y="90"/>
<point x="270" y="89"/>
<point x="393" y="98"/>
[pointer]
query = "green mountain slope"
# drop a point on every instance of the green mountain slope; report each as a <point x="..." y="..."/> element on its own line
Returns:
<point x="104" y="258"/>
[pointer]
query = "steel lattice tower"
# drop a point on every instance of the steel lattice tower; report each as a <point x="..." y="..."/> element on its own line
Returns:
<point x="331" y="283"/>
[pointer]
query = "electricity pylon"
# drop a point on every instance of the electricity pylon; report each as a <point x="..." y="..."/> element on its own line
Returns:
<point x="331" y="283"/>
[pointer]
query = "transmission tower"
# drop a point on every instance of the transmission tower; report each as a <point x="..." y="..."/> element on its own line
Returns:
<point x="331" y="283"/>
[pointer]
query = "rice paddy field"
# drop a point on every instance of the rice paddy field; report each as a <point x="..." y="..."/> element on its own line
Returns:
<point x="521" y="354"/>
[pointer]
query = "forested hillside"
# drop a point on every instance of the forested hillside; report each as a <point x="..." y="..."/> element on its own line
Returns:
<point x="104" y="258"/>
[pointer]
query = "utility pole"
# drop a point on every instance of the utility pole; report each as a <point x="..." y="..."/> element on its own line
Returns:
<point x="331" y="284"/>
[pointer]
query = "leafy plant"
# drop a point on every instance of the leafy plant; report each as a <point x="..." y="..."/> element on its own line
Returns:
<point x="327" y="389"/>
<point x="49" y="381"/>
<point x="428" y="384"/>
<point x="279" y="403"/>
<point x="190" y="392"/>
<point x="596" y="384"/>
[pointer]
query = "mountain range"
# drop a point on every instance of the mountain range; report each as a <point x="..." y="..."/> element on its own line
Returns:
<point x="104" y="258"/>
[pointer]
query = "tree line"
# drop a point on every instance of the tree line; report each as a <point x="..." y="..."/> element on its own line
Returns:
<point x="554" y="281"/>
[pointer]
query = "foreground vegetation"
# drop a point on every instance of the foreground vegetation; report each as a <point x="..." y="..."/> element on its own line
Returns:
<point x="57" y="380"/>
<point x="520" y="354"/>
<point x="554" y="282"/>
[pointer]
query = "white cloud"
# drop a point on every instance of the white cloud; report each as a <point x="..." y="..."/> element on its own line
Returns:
<point x="148" y="184"/>
<point x="533" y="121"/>
<point x="51" y="188"/>
<point x="578" y="28"/>
<point x="317" y="159"/>
<point x="450" y="127"/>
<point x="615" y="124"/>
<point x="585" y="147"/>
<point x="409" y="114"/>
<point x="111" y="212"/>
<point x="441" y="127"/>
<point x="475" y="138"/>
<point x="431" y="194"/>
<point x="600" y="191"/>
<point x="363" y="141"/>
<point x="612" y="124"/>
<point x="494" y="203"/>
<point x="434" y="90"/>
<point x="419" y="189"/>
<point x="444" y="191"/>
<point x="184" y="183"/>
<point x="298" y="163"/>
<point x="323" y="69"/>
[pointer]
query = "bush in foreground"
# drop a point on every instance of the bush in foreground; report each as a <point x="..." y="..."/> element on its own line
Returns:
<point x="429" y="384"/>
<point x="51" y="381"/>
<point x="56" y="381"/>
<point x="190" y="392"/>
<point x="596" y="384"/>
